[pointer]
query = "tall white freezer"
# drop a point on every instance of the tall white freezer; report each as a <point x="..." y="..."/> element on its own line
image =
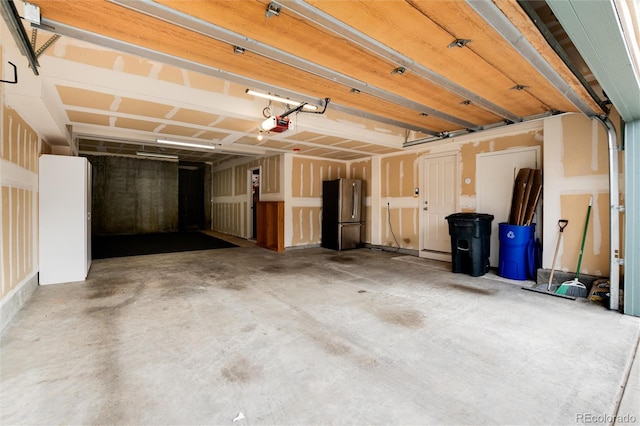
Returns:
<point x="64" y="218"/>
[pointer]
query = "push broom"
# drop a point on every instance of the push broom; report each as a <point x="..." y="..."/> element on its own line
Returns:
<point x="574" y="287"/>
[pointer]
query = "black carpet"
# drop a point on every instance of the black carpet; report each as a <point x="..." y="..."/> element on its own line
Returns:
<point x="104" y="247"/>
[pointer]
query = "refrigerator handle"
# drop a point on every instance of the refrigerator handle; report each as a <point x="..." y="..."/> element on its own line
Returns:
<point x="354" y="197"/>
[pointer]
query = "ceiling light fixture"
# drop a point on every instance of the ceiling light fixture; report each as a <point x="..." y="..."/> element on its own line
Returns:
<point x="260" y="137"/>
<point x="185" y="144"/>
<point x="399" y="70"/>
<point x="519" y="87"/>
<point x="156" y="155"/>
<point x="238" y="49"/>
<point x="280" y="99"/>
<point x="354" y="90"/>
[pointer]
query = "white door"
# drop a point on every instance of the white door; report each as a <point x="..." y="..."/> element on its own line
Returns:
<point x="439" y="195"/>
<point x="495" y="174"/>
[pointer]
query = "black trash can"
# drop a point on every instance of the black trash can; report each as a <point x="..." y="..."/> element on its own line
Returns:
<point x="470" y="242"/>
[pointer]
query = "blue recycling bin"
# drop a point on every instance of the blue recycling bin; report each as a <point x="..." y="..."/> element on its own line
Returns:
<point x="516" y="243"/>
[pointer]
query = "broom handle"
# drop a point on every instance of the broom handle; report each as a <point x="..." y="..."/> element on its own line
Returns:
<point x="584" y="237"/>
<point x="562" y="223"/>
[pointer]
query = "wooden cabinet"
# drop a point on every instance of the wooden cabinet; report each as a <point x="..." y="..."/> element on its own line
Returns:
<point x="270" y="224"/>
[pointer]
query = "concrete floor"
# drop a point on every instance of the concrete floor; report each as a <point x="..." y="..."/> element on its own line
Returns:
<point x="310" y="336"/>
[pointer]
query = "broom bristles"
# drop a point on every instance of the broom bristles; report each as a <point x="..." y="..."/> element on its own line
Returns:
<point x="573" y="288"/>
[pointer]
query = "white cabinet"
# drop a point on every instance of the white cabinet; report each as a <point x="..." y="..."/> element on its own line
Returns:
<point x="64" y="218"/>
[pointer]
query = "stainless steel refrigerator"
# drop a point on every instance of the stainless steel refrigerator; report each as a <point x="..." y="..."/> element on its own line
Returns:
<point x="341" y="213"/>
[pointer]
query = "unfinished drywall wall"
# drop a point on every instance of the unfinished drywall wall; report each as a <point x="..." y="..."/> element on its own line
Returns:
<point x="399" y="209"/>
<point x="19" y="151"/>
<point x="270" y="178"/>
<point x="583" y="152"/>
<point x="362" y="170"/>
<point x="307" y="226"/>
<point x="595" y="259"/>
<point x="230" y="201"/>
<point x="292" y="178"/>
<point x="576" y="163"/>
<point x="132" y="196"/>
<point x="469" y="151"/>
<point x="305" y="203"/>
<point x="401" y="182"/>
<point x="309" y="173"/>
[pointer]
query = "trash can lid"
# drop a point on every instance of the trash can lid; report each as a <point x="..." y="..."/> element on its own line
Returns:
<point x="469" y="216"/>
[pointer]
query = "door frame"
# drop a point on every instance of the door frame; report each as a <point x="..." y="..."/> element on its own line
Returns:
<point x="249" y="217"/>
<point x="495" y="224"/>
<point x="436" y="255"/>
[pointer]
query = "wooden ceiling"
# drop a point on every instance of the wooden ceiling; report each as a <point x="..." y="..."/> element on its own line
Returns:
<point x="395" y="71"/>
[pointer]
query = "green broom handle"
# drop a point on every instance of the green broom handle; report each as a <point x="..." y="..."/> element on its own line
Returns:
<point x="584" y="237"/>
